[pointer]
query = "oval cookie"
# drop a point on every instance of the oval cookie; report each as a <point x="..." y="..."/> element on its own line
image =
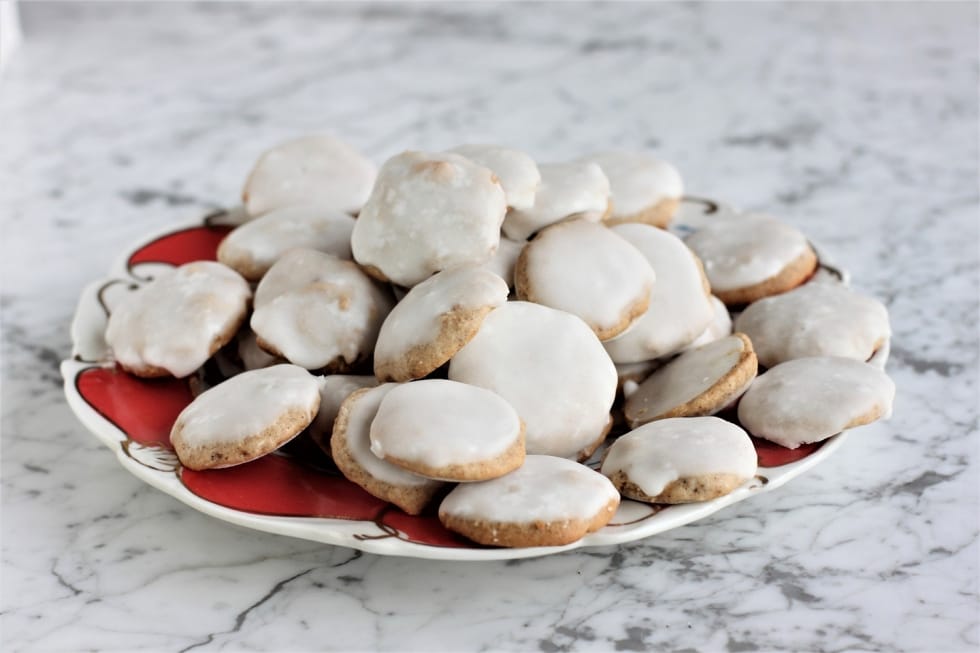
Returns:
<point x="434" y="320"/>
<point x="318" y="311"/>
<point x="567" y="190"/>
<point x="551" y="368"/>
<point x="751" y="256"/>
<point x="680" y="305"/>
<point x="517" y="172"/>
<point x="548" y="501"/>
<point x="449" y="431"/>
<point x="643" y="188"/>
<point x="246" y="417"/>
<point x="816" y="319"/>
<point x="173" y="324"/>
<point x="252" y="248"/>
<point x="318" y="170"/>
<point x="810" y="399"/>
<point x="428" y="212"/>
<point x="681" y="460"/>
<point x="350" y="446"/>
<point x="587" y="270"/>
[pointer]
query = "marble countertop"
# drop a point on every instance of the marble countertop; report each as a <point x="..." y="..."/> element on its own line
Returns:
<point x="857" y="122"/>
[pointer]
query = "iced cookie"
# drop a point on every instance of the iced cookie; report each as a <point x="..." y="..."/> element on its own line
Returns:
<point x="551" y="368"/>
<point x="504" y="260"/>
<point x="548" y="501"/>
<point x="449" y="431"/>
<point x="350" y="445"/>
<point x="643" y="188"/>
<point x="567" y="190"/>
<point x="816" y="319"/>
<point x="245" y="417"/>
<point x="586" y="269"/>
<point x="719" y="327"/>
<point x="173" y="324"/>
<point x="251" y="355"/>
<point x="252" y="248"/>
<point x="681" y="460"/>
<point x="428" y="212"/>
<point x="334" y="390"/>
<point x="318" y="311"/>
<point x="318" y="170"/>
<point x="810" y="399"/>
<point x="700" y="381"/>
<point x="434" y="320"/>
<point x="751" y="256"/>
<point x="680" y="305"/>
<point x="517" y="172"/>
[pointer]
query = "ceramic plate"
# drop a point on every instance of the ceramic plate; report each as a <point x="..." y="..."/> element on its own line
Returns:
<point x="295" y="493"/>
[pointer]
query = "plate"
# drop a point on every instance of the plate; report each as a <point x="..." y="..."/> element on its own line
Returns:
<point x="293" y="493"/>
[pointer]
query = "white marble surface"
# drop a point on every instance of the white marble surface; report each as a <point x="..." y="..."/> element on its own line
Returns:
<point x="856" y="122"/>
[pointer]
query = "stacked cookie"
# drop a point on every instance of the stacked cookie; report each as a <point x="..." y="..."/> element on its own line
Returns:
<point x="471" y="335"/>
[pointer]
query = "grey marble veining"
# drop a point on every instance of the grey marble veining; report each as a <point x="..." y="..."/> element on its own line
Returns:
<point x="856" y="122"/>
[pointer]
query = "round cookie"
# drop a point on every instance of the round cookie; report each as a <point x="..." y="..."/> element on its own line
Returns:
<point x="334" y="390"/>
<point x="350" y="446"/>
<point x="173" y="324"/>
<point x="252" y="248"/>
<point x="517" y="172"/>
<point x="585" y="269"/>
<point x="681" y="460"/>
<point x="317" y="169"/>
<point x="577" y="189"/>
<point x="680" y="306"/>
<point x="548" y="501"/>
<point x="700" y="381"/>
<point x="719" y="327"/>
<point x="245" y="417"/>
<point x="428" y="212"/>
<point x="448" y="431"/>
<point x="643" y="188"/>
<point x="318" y="311"/>
<point x="810" y="399"/>
<point x="816" y="319"/>
<point x="751" y="256"/>
<point x="434" y="320"/>
<point x="504" y="260"/>
<point x="551" y="368"/>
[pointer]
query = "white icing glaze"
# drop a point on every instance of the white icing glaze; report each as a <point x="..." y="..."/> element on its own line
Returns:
<point x="680" y="309"/>
<point x="810" y="399"/>
<point x="417" y="319"/>
<point x="334" y="389"/>
<point x="173" y="321"/>
<point x="358" y="437"/>
<point x="504" y="260"/>
<point x="313" y="307"/>
<point x="576" y="189"/>
<point x="518" y="173"/>
<point x="429" y="212"/>
<point x="720" y="326"/>
<point x="683" y="379"/>
<point x="248" y="404"/>
<point x="545" y="489"/>
<point x="588" y="270"/>
<point x="254" y="357"/>
<point x="816" y="319"/>
<point x="659" y="453"/>
<point x="439" y="423"/>
<point x="550" y="366"/>
<point x="743" y="250"/>
<point x="259" y="243"/>
<point x="317" y="169"/>
<point x="638" y="181"/>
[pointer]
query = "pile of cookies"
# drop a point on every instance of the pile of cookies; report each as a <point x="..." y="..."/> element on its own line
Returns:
<point x="466" y="327"/>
